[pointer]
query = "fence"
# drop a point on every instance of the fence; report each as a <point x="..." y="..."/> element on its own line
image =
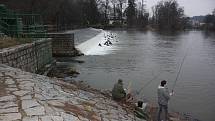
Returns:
<point x="20" y="25"/>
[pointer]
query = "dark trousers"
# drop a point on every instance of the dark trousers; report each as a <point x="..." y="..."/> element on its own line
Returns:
<point x="165" y="107"/>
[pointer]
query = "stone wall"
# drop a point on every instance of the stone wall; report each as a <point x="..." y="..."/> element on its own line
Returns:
<point x="28" y="57"/>
<point x="63" y="44"/>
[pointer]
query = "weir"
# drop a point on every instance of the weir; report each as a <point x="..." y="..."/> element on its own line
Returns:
<point x="91" y="46"/>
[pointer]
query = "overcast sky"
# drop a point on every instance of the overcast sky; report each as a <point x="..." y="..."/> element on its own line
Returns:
<point x="191" y="7"/>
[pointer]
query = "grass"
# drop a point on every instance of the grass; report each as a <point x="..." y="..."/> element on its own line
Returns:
<point x="6" y="42"/>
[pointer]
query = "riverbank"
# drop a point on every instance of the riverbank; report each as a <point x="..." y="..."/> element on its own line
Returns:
<point x="26" y="96"/>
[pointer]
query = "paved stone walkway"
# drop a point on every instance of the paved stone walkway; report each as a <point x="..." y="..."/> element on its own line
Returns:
<point x="30" y="97"/>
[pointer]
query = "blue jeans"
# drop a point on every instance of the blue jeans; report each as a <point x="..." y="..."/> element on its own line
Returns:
<point x="165" y="107"/>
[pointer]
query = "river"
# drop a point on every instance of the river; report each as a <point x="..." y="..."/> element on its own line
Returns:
<point x="138" y="57"/>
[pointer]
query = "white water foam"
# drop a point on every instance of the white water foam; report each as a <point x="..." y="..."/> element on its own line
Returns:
<point x="91" y="46"/>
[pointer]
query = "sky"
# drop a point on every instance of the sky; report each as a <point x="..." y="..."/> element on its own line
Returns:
<point x="191" y="7"/>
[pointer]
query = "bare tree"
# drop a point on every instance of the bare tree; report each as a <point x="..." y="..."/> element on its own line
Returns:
<point x="169" y="15"/>
<point x="121" y="2"/>
<point x="114" y="3"/>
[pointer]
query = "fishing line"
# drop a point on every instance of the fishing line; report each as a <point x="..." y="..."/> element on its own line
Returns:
<point x="149" y="82"/>
<point x="174" y="84"/>
<point x="180" y="68"/>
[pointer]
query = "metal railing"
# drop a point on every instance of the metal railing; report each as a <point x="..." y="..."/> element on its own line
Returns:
<point x="21" y="25"/>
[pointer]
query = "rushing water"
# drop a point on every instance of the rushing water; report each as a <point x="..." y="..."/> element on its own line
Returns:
<point x="141" y="56"/>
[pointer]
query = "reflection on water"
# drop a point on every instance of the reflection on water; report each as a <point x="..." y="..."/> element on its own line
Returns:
<point x="143" y="55"/>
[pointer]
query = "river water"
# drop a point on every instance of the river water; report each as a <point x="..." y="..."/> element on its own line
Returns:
<point x="138" y="57"/>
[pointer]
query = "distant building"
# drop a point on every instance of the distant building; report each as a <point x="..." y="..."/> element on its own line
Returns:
<point x="197" y="21"/>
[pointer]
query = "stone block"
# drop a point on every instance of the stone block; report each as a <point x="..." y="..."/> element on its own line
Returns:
<point x="68" y="117"/>
<point x="35" y="111"/>
<point x="46" y="118"/>
<point x="11" y="86"/>
<point x="27" y="85"/>
<point x="9" y="81"/>
<point x="56" y="103"/>
<point x="7" y="98"/>
<point x="50" y="111"/>
<point x="20" y="93"/>
<point x="29" y="104"/>
<point x="57" y="118"/>
<point x="9" y="110"/>
<point x="7" y="105"/>
<point x="11" y="89"/>
<point x="10" y="116"/>
<point x="34" y="118"/>
<point x="27" y="97"/>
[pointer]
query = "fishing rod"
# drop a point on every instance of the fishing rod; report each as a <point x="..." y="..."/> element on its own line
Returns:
<point x="180" y="68"/>
<point x="149" y="82"/>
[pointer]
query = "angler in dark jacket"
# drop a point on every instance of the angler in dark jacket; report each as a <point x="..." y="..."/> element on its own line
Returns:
<point x="118" y="92"/>
<point x="163" y="98"/>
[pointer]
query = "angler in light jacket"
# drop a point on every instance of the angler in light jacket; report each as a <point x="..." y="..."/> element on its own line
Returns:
<point x="163" y="98"/>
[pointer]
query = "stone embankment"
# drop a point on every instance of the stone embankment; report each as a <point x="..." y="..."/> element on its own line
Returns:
<point x="30" y="97"/>
<point x="31" y="57"/>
